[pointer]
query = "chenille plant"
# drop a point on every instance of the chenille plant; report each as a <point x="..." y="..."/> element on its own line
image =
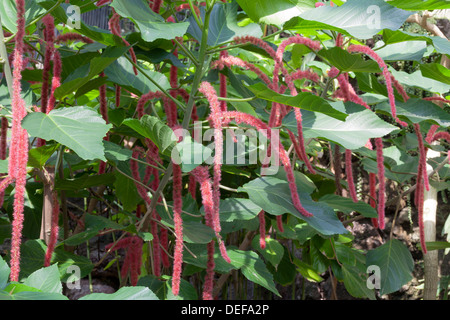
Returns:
<point x="129" y="137"/>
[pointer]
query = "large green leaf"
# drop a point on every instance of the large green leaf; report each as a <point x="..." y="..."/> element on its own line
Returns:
<point x="4" y="273"/>
<point x="154" y="129"/>
<point x="152" y="25"/>
<point x="45" y="279"/>
<point x="273" y="196"/>
<point x="395" y="263"/>
<point x="124" y="293"/>
<point x="436" y="71"/>
<point x="352" y="133"/>
<point x="409" y="51"/>
<point x="273" y="252"/>
<point x="346" y="62"/>
<point x="37" y="157"/>
<point x="346" y="205"/>
<point x="304" y="100"/>
<point x="238" y="209"/>
<point x="274" y="12"/>
<point x="78" y="128"/>
<point x="33" y="254"/>
<point x="358" y="18"/>
<point x="418" y="110"/>
<point x="417" y="80"/>
<point x="420" y="4"/>
<point x="440" y="44"/>
<point x="355" y="282"/>
<point x="223" y="26"/>
<point x="121" y="73"/>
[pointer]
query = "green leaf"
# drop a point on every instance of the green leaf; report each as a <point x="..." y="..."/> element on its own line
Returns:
<point x="304" y="100"/>
<point x="116" y="153"/>
<point x="83" y="74"/>
<point x="346" y="62"/>
<point x="437" y="245"/>
<point x="45" y="279"/>
<point x="255" y="270"/>
<point x="418" y="110"/>
<point x="124" y="293"/>
<point x="352" y="133"/>
<point x="346" y="205"/>
<point x="4" y="273"/>
<point x="407" y="51"/>
<point x="361" y="19"/>
<point x="420" y="4"/>
<point x="152" y="25"/>
<point x="307" y="271"/>
<point x="187" y="290"/>
<point x="395" y="262"/>
<point x="417" y="80"/>
<point x="273" y="196"/>
<point x="224" y="26"/>
<point x="274" y="12"/>
<point x="355" y="282"/>
<point x="273" y="252"/>
<point x="33" y="254"/>
<point x="154" y="129"/>
<point x="126" y="190"/>
<point x="121" y="73"/>
<point x="79" y="128"/>
<point x="189" y="154"/>
<point x="237" y="209"/>
<point x="440" y="45"/>
<point x="436" y="72"/>
<point x="37" y="157"/>
<point x="30" y="295"/>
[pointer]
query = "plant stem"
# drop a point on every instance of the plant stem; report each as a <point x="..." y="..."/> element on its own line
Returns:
<point x="187" y="118"/>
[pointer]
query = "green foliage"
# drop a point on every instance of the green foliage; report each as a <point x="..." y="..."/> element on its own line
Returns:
<point x="174" y="58"/>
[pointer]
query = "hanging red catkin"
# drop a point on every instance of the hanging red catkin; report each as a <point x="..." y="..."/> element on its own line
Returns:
<point x="373" y="195"/>
<point x="104" y="113"/>
<point x="71" y="36"/>
<point x="133" y="257"/>
<point x="178" y="226"/>
<point x="313" y="45"/>
<point x="382" y="183"/>
<point x="54" y="230"/>
<point x="349" y="173"/>
<point x="114" y="27"/>
<point x="49" y="36"/>
<point x="3" y="148"/>
<point x="223" y="84"/>
<point x="56" y="80"/>
<point x="210" y="93"/>
<point x="201" y="175"/>
<point x="387" y="76"/>
<point x="228" y="61"/>
<point x="241" y="117"/>
<point x="17" y="167"/>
